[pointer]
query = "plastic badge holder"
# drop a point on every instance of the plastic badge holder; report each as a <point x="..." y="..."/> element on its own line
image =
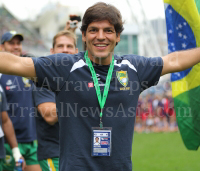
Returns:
<point x="101" y="141"/>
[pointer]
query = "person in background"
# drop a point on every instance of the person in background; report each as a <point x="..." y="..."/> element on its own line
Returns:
<point x="18" y="92"/>
<point x="7" y="130"/>
<point x="46" y="119"/>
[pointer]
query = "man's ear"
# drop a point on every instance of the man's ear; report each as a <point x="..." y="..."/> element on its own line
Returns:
<point x="118" y="37"/>
<point x="51" y="51"/>
<point x="83" y="36"/>
<point x="76" y="50"/>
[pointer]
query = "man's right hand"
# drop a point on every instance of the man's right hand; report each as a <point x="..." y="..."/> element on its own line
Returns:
<point x="67" y="27"/>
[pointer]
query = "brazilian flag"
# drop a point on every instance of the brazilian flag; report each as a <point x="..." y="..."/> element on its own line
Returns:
<point x="183" y="30"/>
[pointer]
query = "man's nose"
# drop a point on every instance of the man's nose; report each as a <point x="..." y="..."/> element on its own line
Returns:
<point x="16" y="46"/>
<point x="65" y="50"/>
<point x="100" y="35"/>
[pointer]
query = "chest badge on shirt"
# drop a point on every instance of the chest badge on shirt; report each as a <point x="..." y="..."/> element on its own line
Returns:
<point x="9" y="85"/>
<point x="9" y="82"/>
<point x="26" y="82"/>
<point x="122" y="77"/>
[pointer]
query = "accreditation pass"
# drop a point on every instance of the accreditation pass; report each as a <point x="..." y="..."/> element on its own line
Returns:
<point x="101" y="142"/>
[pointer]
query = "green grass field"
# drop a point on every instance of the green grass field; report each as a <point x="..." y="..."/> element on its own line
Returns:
<point x="163" y="152"/>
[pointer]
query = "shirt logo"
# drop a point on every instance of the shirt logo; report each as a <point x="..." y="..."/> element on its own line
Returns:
<point x="99" y="80"/>
<point x="8" y="159"/>
<point x="9" y="85"/>
<point x="122" y="77"/>
<point x="90" y="85"/>
<point x="9" y="82"/>
<point x="26" y="82"/>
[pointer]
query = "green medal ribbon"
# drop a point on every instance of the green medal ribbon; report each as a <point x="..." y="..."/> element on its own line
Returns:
<point x="102" y="100"/>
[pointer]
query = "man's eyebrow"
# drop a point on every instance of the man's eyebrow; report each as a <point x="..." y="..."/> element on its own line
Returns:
<point x="92" y="27"/>
<point x="98" y="28"/>
<point x="70" y="44"/>
<point x="109" y="28"/>
<point x="59" y="44"/>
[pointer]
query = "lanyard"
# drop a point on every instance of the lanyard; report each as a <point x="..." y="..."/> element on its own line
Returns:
<point x="101" y="99"/>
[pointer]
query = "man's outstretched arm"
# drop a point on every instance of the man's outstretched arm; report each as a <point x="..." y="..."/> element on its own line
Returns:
<point x="181" y="60"/>
<point x="14" y="65"/>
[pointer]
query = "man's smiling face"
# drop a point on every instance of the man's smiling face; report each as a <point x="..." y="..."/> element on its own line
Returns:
<point x="101" y="39"/>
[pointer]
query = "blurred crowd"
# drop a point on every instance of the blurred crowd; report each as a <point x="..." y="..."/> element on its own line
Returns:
<point x="32" y="39"/>
<point x="155" y="113"/>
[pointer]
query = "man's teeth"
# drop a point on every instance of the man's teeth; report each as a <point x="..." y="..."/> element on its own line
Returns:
<point x="101" y="45"/>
